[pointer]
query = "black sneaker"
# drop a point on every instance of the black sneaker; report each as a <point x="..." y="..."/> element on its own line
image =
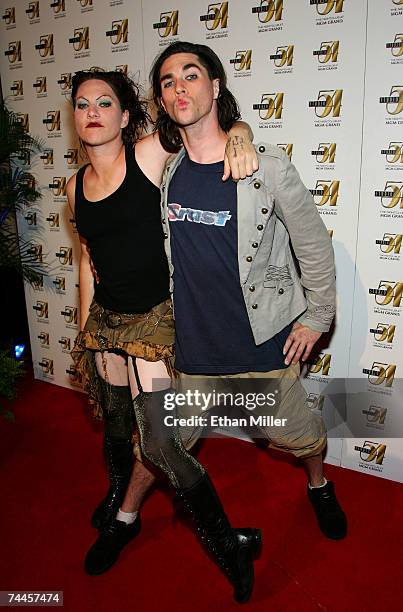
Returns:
<point x="331" y="518"/>
<point x="112" y="539"/>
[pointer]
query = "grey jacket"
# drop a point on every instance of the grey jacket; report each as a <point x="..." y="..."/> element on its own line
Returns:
<point x="274" y="210"/>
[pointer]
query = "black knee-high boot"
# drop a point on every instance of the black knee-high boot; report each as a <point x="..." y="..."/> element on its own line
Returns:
<point x="161" y="444"/>
<point x="234" y="549"/>
<point x="118" y="449"/>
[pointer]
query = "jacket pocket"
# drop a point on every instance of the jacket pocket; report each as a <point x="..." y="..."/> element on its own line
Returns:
<point x="278" y="278"/>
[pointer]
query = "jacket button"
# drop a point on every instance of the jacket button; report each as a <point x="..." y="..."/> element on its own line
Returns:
<point x="281" y="291"/>
<point x="249" y="258"/>
<point x="262" y="149"/>
<point x="259" y="227"/>
<point x="254" y="306"/>
<point x="162" y="187"/>
<point x="165" y="235"/>
<point x="252" y="288"/>
<point x="265" y="211"/>
<point x="255" y="245"/>
<point x="256" y="185"/>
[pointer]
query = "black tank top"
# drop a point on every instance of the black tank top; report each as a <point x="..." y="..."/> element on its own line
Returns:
<point x="126" y="242"/>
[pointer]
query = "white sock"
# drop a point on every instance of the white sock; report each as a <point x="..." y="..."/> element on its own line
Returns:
<point x="318" y="487"/>
<point x="126" y="517"/>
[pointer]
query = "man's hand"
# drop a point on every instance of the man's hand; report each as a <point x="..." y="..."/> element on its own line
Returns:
<point x="240" y="158"/>
<point x="299" y="343"/>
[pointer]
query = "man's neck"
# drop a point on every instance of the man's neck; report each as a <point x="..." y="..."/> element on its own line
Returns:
<point x="204" y="142"/>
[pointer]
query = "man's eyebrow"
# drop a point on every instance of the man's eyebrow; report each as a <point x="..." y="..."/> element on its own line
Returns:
<point x="185" y="67"/>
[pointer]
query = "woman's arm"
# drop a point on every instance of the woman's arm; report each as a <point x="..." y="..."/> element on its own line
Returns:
<point x="86" y="276"/>
<point x="240" y="155"/>
<point x="151" y="157"/>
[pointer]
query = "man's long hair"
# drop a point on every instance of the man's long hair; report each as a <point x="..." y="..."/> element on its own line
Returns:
<point x="228" y="109"/>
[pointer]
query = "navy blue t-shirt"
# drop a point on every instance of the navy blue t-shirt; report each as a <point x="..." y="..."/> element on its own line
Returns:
<point x="213" y="333"/>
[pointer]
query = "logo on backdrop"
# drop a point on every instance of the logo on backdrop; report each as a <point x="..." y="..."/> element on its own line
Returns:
<point x="381" y="374"/>
<point x="393" y="105"/>
<point x="396" y="10"/>
<point x="46" y="48"/>
<point x="396" y="49"/>
<point x="375" y="417"/>
<point x="86" y="5"/>
<point x="70" y="315"/>
<point x="42" y="311"/>
<point x="388" y="297"/>
<point x="47" y="367"/>
<point x="325" y="195"/>
<point x="393" y="156"/>
<point x="327" y="55"/>
<point x="65" y="83"/>
<point x="32" y="12"/>
<point x="40" y="87"/>
<point x="269" y="15"/>
<point x="75" y="378"/>
<point x="72" y="158"/>
<point x="315" y="402"/>
<point x="54" y="221"/>
<point x="37" y="284"/>
<point x="23" y="118"/>
<point x="167" y="26"/>
<point x="14" y="54"/>
<point x="44" y="339"/>
<point x="383" y="335"/>
<point x="65" y="257"/>
<point x="81" y="42"/>
<point x="9" y="18"/>
<point x="59" y="8"/>
<point x="389" y="246"/>
<point x="319" y="369"/>
<point x="328" y="11"/>
<point x="287" y="148"/>
<point x="283" y="58"/>
<point x="242" y="63"/>
<point x="53" y="124"/>
<point x="59" y="188"/>
<point x="216" y="20"/>
<point x="327" y="107"/>
<point x="35" y="252"/>
<point x="119" y="35"/>
<point x="325" y="156"/>
<point x="270" y="109"/>
<point x="122" y="68"/>
<point x="17" y="89"/>
<point x="73" y="225"/>
<point x="391" y="199"/>
<point x="31" y="220"/>
<point x="372" y="455"/>
<point x="60" y="284"/>
<point x="47" y="159"/>
<point x="65" y="344"/>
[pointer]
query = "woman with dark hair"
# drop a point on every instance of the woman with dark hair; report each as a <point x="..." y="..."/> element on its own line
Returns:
<point x="124" y="348"/>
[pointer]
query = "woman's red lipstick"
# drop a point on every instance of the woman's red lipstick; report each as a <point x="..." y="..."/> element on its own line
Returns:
<point x="93" y="124"/>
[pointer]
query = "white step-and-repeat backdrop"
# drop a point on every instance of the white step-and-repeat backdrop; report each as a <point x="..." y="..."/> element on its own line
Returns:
<point x="321" y="78"/>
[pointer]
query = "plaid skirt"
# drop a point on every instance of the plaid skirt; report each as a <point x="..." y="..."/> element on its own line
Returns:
<point x="149" y="336"/>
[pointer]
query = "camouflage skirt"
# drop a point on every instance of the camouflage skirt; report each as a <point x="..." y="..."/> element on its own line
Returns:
<point x="149" y="336"/>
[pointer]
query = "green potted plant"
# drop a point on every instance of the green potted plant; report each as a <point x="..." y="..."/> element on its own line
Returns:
<point x="18" y="262"/>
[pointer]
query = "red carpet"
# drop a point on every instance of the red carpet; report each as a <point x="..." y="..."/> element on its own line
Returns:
<point x="51" y="477"/>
